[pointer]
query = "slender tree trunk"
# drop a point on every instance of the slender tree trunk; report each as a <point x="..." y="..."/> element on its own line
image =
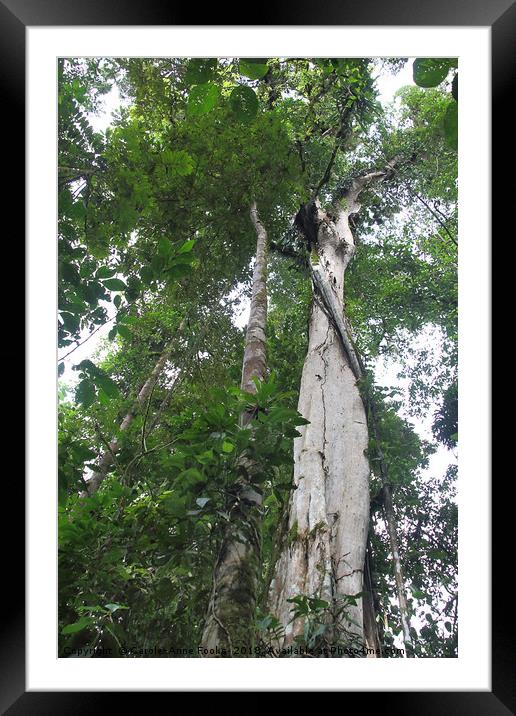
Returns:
<point x="229" y="627"/>
<point x="325" y="548"/>
<point x="254" y="364"/>
<point x="109" y="456"/>
<point x="398" y="571"/>
<point x="390" y="519"/>
<point x="372" y="635"/>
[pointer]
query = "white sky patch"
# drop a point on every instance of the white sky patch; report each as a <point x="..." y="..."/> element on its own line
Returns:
<point x="386" y="372"/>
<point x="388" y="84"/>
<point x="111" y="103"/>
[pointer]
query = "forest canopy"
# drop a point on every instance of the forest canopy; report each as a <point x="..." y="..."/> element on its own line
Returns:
<point x="244" y="252"/>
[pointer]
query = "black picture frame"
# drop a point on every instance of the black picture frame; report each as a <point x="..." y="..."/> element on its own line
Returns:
<point x="15" y="16"/>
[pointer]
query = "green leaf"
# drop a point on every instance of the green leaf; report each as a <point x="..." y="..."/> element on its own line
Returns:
<point x="244" y="103"/>
<point x="205" y="457"/>
<point x="451" y="125"/>
<point x="70" y="273"/>
<point x="71" y="322"/>
<point x="115" y="607"/>
<point x="227" y="446"/>
<point x="430" y="72"/>
<point x="174" y="271"/>
<point x="124" y="331"/>
<point x="134" y="287"/>
<point x="114" y="284"/>
<point x="85" y="393"/>
<point x="186" y="247"/>
<point x="255" y="69"/>
<point x="164" y="247"/>
<point x="109" y="386"/>
<point x="157" y="264"/>
<point x="82" y="453"/>
<point x="174" y="505"/>
<point x="263" y="624"/>
<point x="178" y="163"/>
<point x="192" y="475"/>
<point x="86" y="270"/>
<point x="104" y="399"/>
<point x="60" y="369"/>
<point x="117" y="301"/>
<point x="130" y="320"/>
<point x="146" y="275"/>
<point x="202" y="99"/>
<point x="105" y="272"/>
<point x="184" y="260"/>
<point x="87" y="366"/>
<point x="200" y="70"/>
<point x="77" y="626"/>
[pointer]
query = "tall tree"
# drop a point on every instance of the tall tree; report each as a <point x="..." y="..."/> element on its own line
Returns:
<point x="329" y="509"/>
<point x="229" y="628"/>
<point x="226" y="495"/>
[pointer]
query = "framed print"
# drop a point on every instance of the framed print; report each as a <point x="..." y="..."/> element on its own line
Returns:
<point x="271" y="249"/>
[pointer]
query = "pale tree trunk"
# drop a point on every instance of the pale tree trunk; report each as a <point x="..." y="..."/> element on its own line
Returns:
<point x="398" y="571"/>
<point x="323" y="555"/>
<point x="230" y="620"/>
<point x="108" y="457"/>
<point x="254" y="363"/>
<point x="390" y="520"/>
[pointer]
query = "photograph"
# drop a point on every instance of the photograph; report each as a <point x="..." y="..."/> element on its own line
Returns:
<point x="257" y="357"/>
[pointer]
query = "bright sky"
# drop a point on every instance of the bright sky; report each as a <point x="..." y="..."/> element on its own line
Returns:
<point x="385" y="372"/>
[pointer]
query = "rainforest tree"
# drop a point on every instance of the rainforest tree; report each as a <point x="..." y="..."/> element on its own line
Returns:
<point x="229" y="490"/>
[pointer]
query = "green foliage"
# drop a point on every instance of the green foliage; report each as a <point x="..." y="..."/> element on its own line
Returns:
<point x="202" y="99"/>
<point x="446" y="420"/>
<point x="173" y="516"/>
<point x="430" y="72"/>
<point x="244" y="103"/>
<point x="154" y="235"/>
<point x="451" y="124"/>
<point x="200" y="70"/>
<point x="93" y="378"/>
<point x="255" y="69"/>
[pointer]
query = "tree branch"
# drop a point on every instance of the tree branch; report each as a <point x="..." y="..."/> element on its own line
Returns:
<point x="435" y="215"/>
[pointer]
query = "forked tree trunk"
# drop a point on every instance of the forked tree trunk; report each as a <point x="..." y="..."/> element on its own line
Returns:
<point x="230" y="620"/>
<point x="323" y="555"/>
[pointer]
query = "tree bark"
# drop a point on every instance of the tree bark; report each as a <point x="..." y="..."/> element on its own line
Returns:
<point x="323" y="555"/>
<point x="254" y="363"/>
<point x="230" y="620"/>
<point x="390" y="519"/>
<point x="398" y="571"/>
